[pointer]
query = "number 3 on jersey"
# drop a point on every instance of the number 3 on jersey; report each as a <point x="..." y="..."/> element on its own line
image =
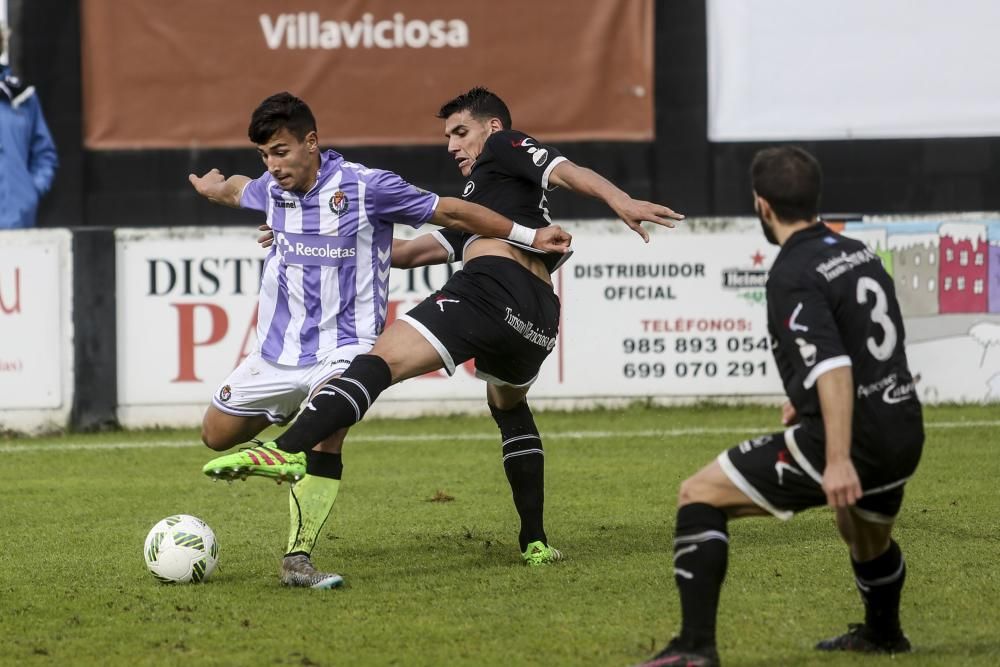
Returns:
<point x="880" y="316"/>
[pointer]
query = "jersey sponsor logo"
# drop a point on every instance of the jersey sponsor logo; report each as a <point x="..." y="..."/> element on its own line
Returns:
<point x="782" y="465"/>
<point x="792" y="324"/>
<point x="441" y="300"/>
<point x="865" y="390"/>
<point x="807" y="350"/>
<point x="539" y="157"/>
<point x="523" y="143"/>
<point x="892" y="391"/>
<point x="469" y="187"/>
<point x="339" y="203"/>
<point x="837" y="266"/>
<point x="898" y="393"/>
<point x="284" y="203"/>
<point x="225" y="393"/>
<point x="527" y="329"/>
<point x="314" y="250"/>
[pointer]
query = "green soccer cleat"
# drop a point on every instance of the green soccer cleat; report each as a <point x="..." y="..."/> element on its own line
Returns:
<point x="538" y="553"/>
<point x="264" y="460"/>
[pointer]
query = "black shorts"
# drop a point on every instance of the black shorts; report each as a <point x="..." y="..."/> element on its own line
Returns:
<point x="496" y="312"/>
<point x="783" y="472"/>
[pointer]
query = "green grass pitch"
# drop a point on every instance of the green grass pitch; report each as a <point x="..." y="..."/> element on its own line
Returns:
<point x="439" y="582"/>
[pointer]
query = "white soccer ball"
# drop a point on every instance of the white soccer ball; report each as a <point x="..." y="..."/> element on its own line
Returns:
<point x="181" y="549"/>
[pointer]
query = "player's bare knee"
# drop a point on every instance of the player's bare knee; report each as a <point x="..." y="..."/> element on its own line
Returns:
<point x="213" y="440"/>
<point x="220" y="434"/>
<point x="866" y="539"/>
<point x="692" y="490"/>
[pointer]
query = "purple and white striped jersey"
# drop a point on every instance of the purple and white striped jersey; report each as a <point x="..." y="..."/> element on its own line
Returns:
<point x="326" y="278"/>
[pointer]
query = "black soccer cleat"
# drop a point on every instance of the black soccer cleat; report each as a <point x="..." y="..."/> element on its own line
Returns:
<point x="679" y="654"/>
<point x="860" y="638"/>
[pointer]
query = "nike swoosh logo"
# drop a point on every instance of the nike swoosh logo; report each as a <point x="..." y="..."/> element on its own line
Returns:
<point x="792" y="324"/>
<point x="780" y="467"/>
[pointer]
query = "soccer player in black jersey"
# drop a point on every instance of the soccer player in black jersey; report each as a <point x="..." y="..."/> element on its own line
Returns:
<point x="855" y="430"/>
<point x="500" y="309"/>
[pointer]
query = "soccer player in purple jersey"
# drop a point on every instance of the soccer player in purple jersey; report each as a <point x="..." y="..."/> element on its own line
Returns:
<point x="323" y="295"/>
<point x="855" y="426"/>
<point x="500" y="309"/>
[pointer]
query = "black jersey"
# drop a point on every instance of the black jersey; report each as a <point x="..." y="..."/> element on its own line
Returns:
<point x="830" y="303"/>
<point x="511" y="177"/>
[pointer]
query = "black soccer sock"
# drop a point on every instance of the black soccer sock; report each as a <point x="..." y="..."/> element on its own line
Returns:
<point x="880" y="582"/>
<point x="324" y="464"/>
<point x="524" y="463"/>
<point x="701" y="552"/>
<point x="341" y="402"/>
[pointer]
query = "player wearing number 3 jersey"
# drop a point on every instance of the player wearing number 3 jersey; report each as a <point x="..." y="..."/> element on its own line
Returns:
<point x="855" y="430"/>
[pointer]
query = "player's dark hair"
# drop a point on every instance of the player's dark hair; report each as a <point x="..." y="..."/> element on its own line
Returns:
<point x="479" y="102"/>
<point x="790" y="179"/>
<point x="281" y="111"/>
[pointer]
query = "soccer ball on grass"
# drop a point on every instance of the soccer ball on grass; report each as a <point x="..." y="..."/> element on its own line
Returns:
<point x="181" y="549"/>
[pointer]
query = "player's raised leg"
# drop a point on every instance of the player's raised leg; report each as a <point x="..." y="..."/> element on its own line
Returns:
<point x="256" y="394"/>
<point x="400" y="353"/>
<point x="524" y="464"/>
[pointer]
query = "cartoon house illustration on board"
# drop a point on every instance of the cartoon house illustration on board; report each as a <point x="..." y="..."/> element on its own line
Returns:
<point x="994" y="267"/>
<point x="875" y="238"/>
<point x="963" y="268"/>
<point x="915" y="264"/>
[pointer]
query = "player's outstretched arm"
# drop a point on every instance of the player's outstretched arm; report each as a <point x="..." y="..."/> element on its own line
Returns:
<point x="472" y="218"/>
<point x="421" y="251"/>
<point x="218" y="189"/>
<point x="633" y="212"/>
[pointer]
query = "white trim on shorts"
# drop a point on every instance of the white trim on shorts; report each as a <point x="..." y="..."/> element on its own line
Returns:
<point x="492" y="379"/>
<point x="449" y="363"/>
<point x="272" y="417"/>
<point x="867" y="515"/>
<point x="800" y="458"/>
<point x="747" y="488"/>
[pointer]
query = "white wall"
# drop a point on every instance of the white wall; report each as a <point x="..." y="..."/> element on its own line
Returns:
<point x="794" y="70"/>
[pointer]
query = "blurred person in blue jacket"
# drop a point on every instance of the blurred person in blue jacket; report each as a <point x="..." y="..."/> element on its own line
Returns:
<point x="28" y="158"/>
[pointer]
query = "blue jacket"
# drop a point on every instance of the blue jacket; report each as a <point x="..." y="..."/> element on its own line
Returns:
<point x="27" y="155"/>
